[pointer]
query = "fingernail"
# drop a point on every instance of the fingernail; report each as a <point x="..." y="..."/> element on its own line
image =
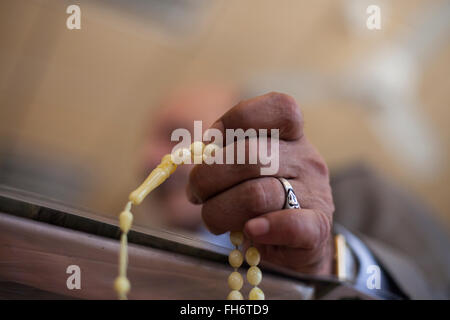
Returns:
<point x="192" y="197"/>
<point x="257" y="227"/>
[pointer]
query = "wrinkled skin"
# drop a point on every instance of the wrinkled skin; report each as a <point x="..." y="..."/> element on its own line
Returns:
<point x="236" y="196"/>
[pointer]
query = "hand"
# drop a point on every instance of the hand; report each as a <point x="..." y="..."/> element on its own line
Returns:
<point x="236" y="197"/>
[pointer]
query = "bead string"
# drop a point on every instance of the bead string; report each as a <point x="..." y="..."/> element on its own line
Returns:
<point x="254" y="274"/>
<point x="198" y="152"/>
<point x="235" y="259"/>
<point x="155" y="178"/>
<point x="122" y="284"/>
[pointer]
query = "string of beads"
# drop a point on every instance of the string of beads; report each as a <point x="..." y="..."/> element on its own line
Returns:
<point x="235" y="259"/>
<point x="198" y="153"/>
<point x="254" y="274"/>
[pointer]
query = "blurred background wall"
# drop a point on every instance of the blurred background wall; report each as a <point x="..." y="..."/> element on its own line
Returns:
<point x="75" y="105"/>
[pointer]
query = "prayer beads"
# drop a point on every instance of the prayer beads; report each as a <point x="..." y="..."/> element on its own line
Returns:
<point x="252" y="256"/>
<point x="235" y="295"/>
<point x="155" y="178"/>
<point x="235" y="259"/>
<point x="235" y="281"/>
<point x="236" y="238"/>
<point x="198" y="153"/>
<point x="122" y="284"/>
<point x="256" y="294"/>
<point x="254" y="274"/>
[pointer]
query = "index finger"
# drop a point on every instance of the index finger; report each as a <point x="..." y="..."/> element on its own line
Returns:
<point x="270" y="111"/>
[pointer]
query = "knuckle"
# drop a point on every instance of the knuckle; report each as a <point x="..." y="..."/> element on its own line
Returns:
<point x="317" y="163"/>
<point x="256" y="196"/>
<point x="277" y="193"/>
<point x="283" y="100"/>
<point x="288" y="112"/>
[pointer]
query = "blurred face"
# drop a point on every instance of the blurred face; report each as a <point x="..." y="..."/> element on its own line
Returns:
<point x="202" y="102"/>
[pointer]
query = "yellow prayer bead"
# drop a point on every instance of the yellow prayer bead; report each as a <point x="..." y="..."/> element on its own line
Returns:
<point x="180" y="156"/>
<point x="254" y="276"/>
<point x="235" y="281"/>
<point x="197" y="151"/>
<point x="197" y="148"/>
<point x="122" y="285"/>
<point x="167" y="164"/>
<point x="235" y="295"/>
<point x="235" y="258"/>
<point x="125" y="220"/>
<point x="236" y="237"/>
<point x="209" y="152"/>
<point x="256" y="294"/>
<point x="154" y="179"/>
<point x="252" y="256"/>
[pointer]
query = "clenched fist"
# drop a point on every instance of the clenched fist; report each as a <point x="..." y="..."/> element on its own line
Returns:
<point x="237" y="197"/>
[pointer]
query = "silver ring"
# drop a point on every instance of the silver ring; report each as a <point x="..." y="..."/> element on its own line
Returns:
<point x="291" y="201"/>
